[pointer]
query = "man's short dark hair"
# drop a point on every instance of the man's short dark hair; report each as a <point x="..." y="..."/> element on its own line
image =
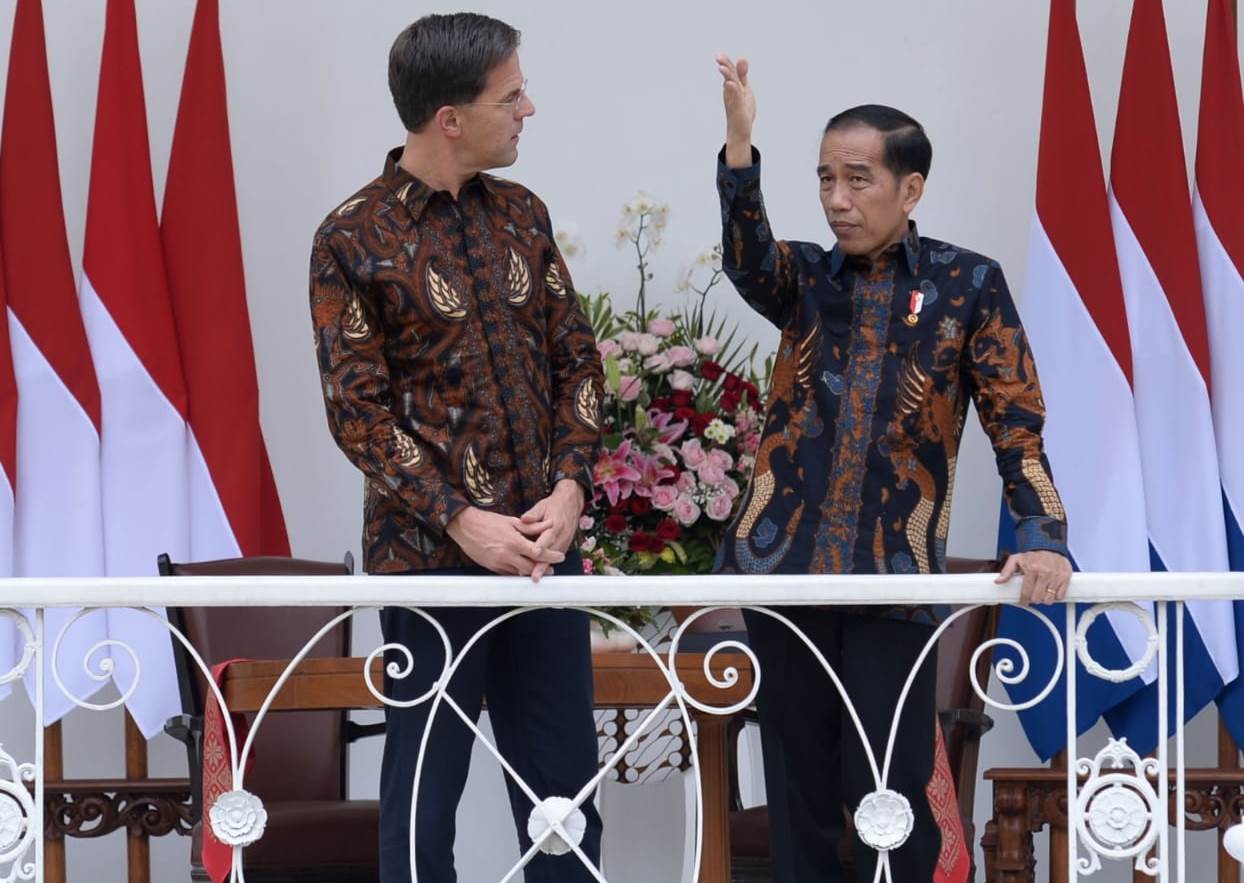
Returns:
<point x="445" y="59"/>
<point x="907" y="147"/>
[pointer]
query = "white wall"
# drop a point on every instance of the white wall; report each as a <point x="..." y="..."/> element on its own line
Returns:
<point x="628" y="98"/>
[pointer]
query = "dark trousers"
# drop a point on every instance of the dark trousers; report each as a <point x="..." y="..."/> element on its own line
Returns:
<point x="816" y="769"/>
<point x="536" y="672"/>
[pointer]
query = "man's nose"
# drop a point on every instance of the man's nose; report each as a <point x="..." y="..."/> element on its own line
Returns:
<point x="839" y="198"/>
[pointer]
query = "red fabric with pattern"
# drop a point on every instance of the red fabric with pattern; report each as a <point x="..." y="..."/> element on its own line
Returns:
<point x="217" y="771"/>
<point x="953" y="863"/>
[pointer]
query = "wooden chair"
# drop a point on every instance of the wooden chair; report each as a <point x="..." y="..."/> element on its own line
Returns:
<point x="314" y="834"/>
<point x="961" y="713"/>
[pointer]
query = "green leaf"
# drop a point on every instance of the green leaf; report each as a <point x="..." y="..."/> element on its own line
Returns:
<point x="613" y="376"/>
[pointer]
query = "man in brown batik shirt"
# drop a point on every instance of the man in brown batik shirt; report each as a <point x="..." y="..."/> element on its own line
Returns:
<point x="462" y="378"/>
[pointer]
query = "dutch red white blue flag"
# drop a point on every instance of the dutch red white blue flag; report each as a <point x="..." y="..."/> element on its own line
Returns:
<point x="129" y="323"/>
<point x="1218" y="214"/>
<point x="1151" y="212"/>
<point x="58" y="524"/>
<point x="1074" y="316"/>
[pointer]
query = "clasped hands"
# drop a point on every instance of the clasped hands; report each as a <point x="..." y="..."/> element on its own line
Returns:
<point x="528" y="545"/>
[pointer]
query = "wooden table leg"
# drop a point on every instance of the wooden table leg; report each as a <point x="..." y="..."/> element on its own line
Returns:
<point x="1013" y="859"/>
<point x="712" y="746"/>
<point x="53" y="771"/>
<point x="1228" y="759"/>
<point x="138" y="847"/>
<point x="1059" y="842"/>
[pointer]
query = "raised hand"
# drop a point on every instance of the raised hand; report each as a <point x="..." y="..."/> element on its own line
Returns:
<point x="740" y="103"/>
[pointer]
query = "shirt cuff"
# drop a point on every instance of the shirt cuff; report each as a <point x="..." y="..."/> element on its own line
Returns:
<point x="731" y="181"/>
<point x="574" y="465"/>
<point x="1041" y="533"/>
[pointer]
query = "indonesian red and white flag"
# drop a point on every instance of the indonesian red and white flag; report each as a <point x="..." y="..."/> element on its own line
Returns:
<point x="234" y="504"/>
<point x="129" y="323"/>
<point x="58" y="528"/>
<point x="1151" y="212"/>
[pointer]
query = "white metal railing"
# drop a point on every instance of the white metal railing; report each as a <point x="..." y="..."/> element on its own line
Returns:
<point x="1115" y="811"/>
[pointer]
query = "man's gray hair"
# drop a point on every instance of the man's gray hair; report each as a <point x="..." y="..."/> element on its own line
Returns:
<point x="445" y="59"/>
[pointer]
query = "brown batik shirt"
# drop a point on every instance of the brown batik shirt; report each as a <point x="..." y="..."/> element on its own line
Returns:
<point x="457" y="366"/>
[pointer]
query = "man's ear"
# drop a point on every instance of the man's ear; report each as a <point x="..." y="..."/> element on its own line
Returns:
<point x="912" y="189"/>
<point x="447" y="121"/>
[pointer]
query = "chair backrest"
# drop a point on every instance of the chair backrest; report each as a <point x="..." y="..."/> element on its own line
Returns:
<point x="300" y="755"/>
<point x="960" y="641"/>
<point x="954" y="686"/>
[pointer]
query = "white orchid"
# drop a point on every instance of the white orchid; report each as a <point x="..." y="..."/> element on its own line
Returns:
<point x="569" y="242"/>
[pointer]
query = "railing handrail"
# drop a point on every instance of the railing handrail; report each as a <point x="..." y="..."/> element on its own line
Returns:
<point x="592" y="591"/>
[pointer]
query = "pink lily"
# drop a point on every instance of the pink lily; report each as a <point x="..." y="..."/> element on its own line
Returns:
<point x="652" y="471"/>
<point x="614" y="473"/>
<point x="669" y="430"/>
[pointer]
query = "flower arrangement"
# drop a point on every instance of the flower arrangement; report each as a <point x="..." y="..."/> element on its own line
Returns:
<point x="682" y="422"/>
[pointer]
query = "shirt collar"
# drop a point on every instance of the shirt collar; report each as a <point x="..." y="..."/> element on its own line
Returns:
<point x="910" y="247"/>
<point x="413" y="192"/>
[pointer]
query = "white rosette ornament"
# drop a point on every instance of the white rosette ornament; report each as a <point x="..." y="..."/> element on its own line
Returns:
<point x="884" y="820"/>
<point x="238" y="818"/>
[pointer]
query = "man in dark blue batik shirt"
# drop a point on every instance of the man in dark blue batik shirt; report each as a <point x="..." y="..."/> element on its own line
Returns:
<point x="885" y="339"/>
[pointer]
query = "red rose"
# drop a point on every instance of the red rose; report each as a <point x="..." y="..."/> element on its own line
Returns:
<point x="732" y="382"/>
<point x="700" y="422"/>
<point x="645" y="542"/>
<point x="677" y="473"/>
<point x="730" y="401"/>
<point x="669" y="530"/>
<point x="686" y="413"/>
<point x="710" y="370"/>
<point x="681" y="398"/>
<point x="641" y="505"/>
<point x="615" y="523"/>
<point x="662" y="403"/>
<point x="752" y="391"/>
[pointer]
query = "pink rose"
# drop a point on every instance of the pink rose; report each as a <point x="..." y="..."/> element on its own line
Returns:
<point x="629" y="340"/>
<point x="720" y="458"/>
<point x="661" y="327"/>
<point x="729" y="487"/>
<point x="586" y="522"/>
<point x="608" y="348"/>
<point x="681" y="356"/>
<point x="629" y="387"/>
<point x="648" y="344"/>
<point x="685" y="483"/>
<point x="587" y="566"/>
<point x="693" y="454"/>
<point x="708" y="346"/>
<point x="752" y="443"/>
<point x="664" y="496"/>
<point x="659" y="363"/>
<point x="718" y="507"/>
<point x="686" y="511"/>
<point x="681" y="380"/>
<point x="711" y="473"/>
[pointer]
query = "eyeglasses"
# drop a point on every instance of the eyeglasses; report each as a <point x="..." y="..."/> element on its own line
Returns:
<point x="513" y="104"/>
